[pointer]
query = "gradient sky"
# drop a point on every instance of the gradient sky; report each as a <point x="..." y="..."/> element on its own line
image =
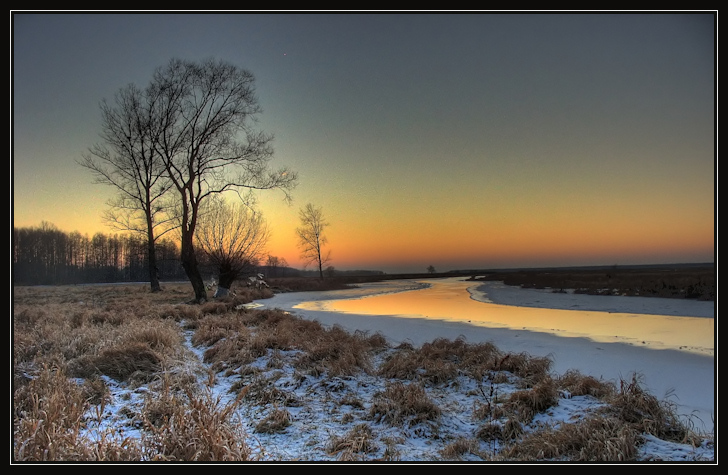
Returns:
<point x="468" y="140"/>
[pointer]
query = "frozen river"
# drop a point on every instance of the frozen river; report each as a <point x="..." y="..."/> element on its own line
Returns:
<point x="651" y="322"/>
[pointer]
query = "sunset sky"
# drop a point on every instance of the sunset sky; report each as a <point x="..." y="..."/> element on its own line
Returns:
<point x="460" y="140"/>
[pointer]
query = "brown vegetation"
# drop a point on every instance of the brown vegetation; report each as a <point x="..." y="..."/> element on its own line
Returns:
<point x="71" y="344"/>
<point x="690" y="282"/>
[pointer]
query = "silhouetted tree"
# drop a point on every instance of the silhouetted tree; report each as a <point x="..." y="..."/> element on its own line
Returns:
<point x="233" y="237"/>
<point x="275" y="264"/>
<point x="204" y="114"/>
<point x="311" y="238"/>
<point x="431" y="269"/>
<point x="127" y="161"/>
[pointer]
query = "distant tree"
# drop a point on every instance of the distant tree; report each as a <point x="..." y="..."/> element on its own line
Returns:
<point x="127" y="161"/>
<point x="311" y="238"/>
<point x="203" y="128"/>
<point x="233" y="237"/>
<point x="431" y="269"/>
<point x="275" y="264"/>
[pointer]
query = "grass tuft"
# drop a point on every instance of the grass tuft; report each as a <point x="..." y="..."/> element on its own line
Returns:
<point x="403" y="404"/>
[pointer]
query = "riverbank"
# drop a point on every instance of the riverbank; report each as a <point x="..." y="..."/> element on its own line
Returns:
<point x="682" y="376"/>
<point x="502" y="294"/>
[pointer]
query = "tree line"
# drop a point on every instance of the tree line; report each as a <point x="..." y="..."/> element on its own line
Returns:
<point x="45" y="255"/>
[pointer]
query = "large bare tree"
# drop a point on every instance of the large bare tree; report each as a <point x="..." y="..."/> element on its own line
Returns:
<point x="204" y="133"/>
<point x="126" y="160"/>
<point x="311" y="238"/>
<point x="233" y="237"/>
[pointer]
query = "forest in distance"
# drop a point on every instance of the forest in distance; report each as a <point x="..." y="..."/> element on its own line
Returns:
<point x="45" y="255"/>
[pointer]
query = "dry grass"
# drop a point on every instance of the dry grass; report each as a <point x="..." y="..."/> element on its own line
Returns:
<point x="577" y="384"/>
<point x="692" y="282"/>
<point x="597" y="439"/>
<point x="48" y="416"/>
<point x="525" y="404"/>
<point x="70" y="342"/>
<point x="403" y="404"/>
<point x="354" y="445"/>
<point x="125" y="333"/>
<point x="442" y="360"/>
<point x="275" y="422"/>
<point x="193" y="427"/>
<point x="299" y="284"/>
<point x="643" y="411"/>
<point x="456" y="449"/>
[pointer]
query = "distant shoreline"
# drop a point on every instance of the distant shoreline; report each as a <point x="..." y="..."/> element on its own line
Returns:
<point x="499" y="293"/>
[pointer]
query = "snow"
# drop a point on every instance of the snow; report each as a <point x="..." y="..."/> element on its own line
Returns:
<point x="320" y="416"/>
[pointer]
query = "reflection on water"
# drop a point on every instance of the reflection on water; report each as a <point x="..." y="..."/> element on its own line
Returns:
<point x="449" y="300"/>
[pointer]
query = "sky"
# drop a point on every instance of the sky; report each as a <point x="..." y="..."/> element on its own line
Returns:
<point x="461" y="140"/>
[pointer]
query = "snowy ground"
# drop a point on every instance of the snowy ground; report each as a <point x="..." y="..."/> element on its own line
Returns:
<point x="686" y="377"/>
<point x="322" y="414"/>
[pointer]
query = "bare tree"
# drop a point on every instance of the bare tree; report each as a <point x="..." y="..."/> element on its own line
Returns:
<point x="233" y="238"/>
<point x="311" y="238"/>
<point x="431" y="269"/>
<point x="204" y="133"/>
<point x="127" y="161"/>
<point x="275" y="263"/>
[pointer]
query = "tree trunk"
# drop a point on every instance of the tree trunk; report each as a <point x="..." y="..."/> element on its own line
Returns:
<point x="225" y="281"/>
<point x="153" y="269"/>
<point x="189" y="264"/>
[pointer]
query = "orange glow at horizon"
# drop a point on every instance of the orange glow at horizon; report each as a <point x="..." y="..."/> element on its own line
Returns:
<point x="468" y="239"/>
<point x="402" y="247"/>
<point x="463" y="232"/>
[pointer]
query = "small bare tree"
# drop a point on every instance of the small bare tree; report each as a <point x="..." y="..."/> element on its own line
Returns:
<point x="311" y="238"/>
<point x="232" y="237"/>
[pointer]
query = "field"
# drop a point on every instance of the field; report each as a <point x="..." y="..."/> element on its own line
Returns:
<point x="116" y="373"/>
<point x="692" y="282"/>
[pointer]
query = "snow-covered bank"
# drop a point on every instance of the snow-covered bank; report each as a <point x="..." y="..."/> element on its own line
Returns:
<point x="685" y="378"/>
<point x="499" y="293"/>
